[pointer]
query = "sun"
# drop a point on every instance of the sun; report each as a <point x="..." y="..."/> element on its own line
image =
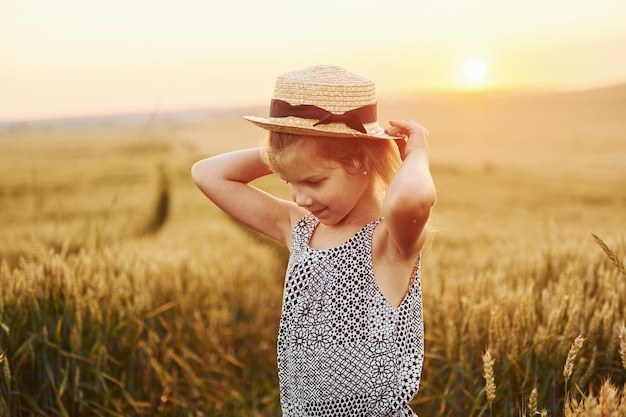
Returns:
<point x="474" y="70"/>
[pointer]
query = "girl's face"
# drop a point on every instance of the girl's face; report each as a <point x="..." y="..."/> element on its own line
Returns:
<point x="324" y="187"/>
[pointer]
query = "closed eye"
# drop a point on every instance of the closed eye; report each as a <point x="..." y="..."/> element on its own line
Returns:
<point x="308" y="182"/>
<point x="315" y="181"/>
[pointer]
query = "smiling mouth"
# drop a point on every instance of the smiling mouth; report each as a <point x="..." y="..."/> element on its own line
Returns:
<point x="317" y="213"/>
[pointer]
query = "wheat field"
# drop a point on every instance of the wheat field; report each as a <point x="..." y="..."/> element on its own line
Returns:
<point x="124" y="292"/>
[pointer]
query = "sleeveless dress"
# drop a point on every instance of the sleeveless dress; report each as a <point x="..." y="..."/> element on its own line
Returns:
<point x="343" y="350"/>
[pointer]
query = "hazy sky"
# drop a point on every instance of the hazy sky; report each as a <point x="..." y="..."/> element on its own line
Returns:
<point x="60" y="58"/>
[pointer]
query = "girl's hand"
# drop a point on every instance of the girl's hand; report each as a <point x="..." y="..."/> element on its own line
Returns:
<point x="415" y="136"/>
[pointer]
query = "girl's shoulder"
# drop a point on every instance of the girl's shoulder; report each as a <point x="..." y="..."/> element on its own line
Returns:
<point x="299" y="218"/>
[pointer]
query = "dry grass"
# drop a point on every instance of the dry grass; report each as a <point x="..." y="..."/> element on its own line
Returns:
<point x="98" y="317"/>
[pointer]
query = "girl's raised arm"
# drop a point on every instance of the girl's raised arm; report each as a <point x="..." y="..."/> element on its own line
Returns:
<point x="225" y="179"/>
<point x="411" y="193"/>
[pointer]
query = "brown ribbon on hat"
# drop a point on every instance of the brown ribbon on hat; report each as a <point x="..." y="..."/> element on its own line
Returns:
<point x="352" y="118"/>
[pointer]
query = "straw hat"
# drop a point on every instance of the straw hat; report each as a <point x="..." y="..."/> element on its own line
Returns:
<point x="323" y="100"/>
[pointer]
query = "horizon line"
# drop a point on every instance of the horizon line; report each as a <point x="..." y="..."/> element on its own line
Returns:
<point x="195" y="112"/>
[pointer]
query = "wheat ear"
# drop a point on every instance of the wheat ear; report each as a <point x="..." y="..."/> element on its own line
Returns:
<point x="612" y="256"/>
<point x="490" y="380"/>
<point x="532" y="402"/>
<point x="571" y="356"/>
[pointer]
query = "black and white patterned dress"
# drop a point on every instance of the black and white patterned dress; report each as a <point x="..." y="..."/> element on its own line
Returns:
<point x="343" y="350"/>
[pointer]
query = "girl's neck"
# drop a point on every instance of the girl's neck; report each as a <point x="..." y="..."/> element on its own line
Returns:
<point x="331" y="236"/>
<point x="361" y="216"/>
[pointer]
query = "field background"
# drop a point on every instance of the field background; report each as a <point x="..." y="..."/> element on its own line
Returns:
<point x="125" y="292"/>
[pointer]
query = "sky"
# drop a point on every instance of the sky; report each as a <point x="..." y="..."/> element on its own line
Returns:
<point x="67" y="58"/>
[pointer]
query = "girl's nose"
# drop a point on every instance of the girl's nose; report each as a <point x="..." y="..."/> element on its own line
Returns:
<point x="300" y="197"/>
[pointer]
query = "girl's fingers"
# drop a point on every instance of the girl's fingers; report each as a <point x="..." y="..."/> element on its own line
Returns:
<point x="408" y="128"/>
<point x="392" y="131"/>
<point x="397" y="131"/>
<point x="404" y="124"/>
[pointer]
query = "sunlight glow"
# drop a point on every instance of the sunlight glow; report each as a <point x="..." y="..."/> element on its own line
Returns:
<point x="474" y="70"/>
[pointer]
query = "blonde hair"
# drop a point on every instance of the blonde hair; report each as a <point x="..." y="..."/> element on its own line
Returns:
<point x="379" y="157"/>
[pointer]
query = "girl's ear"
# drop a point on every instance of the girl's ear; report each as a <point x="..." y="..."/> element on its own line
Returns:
<point x="364" y="166"/>
<point x="355" y="167"/>
<point x="358" y="167"/>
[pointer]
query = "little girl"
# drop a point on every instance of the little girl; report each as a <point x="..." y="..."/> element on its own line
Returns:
<point x="351" y="339"/>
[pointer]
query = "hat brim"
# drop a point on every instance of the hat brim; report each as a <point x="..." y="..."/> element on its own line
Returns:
<point x="299" y="126"/>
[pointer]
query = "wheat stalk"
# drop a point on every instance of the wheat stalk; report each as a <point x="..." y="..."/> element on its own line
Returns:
<point x="6" y="370"/>
<point x="622" y="345"/>
<point x="612" y="256"/>
<point x="571" y="356"/>
<point x="532" y="402"/>
<point x="569" y="363"/>
<point x="490" y="381"/>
